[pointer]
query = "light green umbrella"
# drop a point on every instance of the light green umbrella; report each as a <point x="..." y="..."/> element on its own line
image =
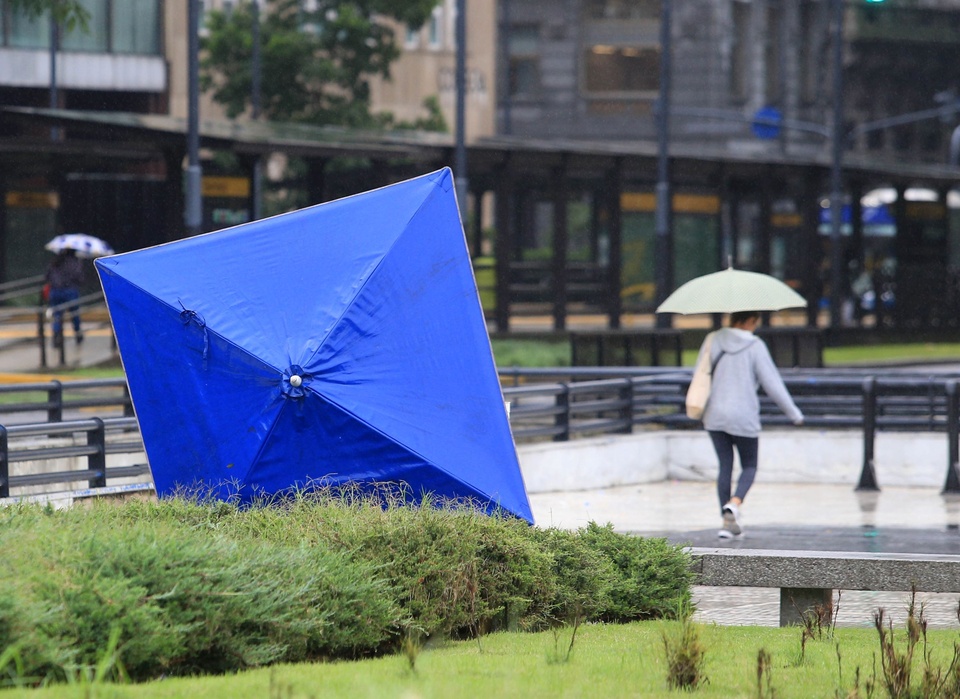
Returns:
<point x="730" y="291"/>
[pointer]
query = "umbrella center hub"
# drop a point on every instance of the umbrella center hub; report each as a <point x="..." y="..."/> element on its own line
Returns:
<point x="294" y="382"/>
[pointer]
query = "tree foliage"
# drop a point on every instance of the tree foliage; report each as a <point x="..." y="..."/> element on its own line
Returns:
<point x="71" y="13"/>
<point x="316" y="64"/>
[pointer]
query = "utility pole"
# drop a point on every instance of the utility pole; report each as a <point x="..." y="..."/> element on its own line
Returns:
<point x="662" y="262"/>
<point x="836" y="175"/>
<point x="54" y="47"/>
<point x="193" y="205"/>
<point x="255" y="99"/>
<point x="460" y="156"/>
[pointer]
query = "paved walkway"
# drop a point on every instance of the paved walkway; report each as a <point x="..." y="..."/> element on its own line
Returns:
<point x="779" y="516"/>
<point x="20" y="356"/>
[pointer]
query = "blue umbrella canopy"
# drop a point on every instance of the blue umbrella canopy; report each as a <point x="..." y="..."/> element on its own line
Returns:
<point x="340" y="343"/>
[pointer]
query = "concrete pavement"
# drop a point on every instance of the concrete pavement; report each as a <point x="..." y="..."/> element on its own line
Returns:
<point x="21" y="358"/>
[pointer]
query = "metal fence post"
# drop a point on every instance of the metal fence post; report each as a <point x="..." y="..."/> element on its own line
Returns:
<point x="952" y="483"/>
<point x="562" y="418"/>
<point x="868" y="478"/>
<point x="4" y="464"/>
<point x="97" y="462"/>
<point x="626" y="412"/>
<point x="55" y="397"/>
<point x="42" y="336"/>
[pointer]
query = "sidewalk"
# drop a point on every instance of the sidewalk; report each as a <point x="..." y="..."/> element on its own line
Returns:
<point x="778" y="516"/>
<point x="20" y="358"/>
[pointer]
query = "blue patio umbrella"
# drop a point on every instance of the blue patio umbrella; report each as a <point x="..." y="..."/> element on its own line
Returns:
<point x="340" y="343"/>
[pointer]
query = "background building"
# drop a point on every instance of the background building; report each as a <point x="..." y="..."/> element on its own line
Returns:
<point x="751" y="80"/>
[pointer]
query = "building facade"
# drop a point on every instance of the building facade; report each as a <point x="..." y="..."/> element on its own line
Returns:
<point x="426" y="69"/>
<point x="750" y="80"/>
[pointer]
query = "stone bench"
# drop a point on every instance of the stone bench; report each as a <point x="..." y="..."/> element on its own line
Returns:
<point x="808" y="578"/>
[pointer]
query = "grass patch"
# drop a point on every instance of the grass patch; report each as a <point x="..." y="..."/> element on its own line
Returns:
<point x="867" y="355"/>
<point x="609" y="661"/>
<point x="531" y="353"/>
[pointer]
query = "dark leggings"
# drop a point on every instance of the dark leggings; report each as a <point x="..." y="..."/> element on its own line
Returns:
<point x="747" y="447"/>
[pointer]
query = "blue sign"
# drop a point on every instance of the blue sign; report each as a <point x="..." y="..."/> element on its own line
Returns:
<point x="767" y="123"/>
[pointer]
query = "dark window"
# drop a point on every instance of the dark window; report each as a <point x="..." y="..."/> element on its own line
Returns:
<point x="621" y="69"/>
<point x="523" y="46"/>
<point x="808" y="63"/>
<point x="623" y="9"/>
<point x="740" y="51"/>
<point x="773" y="55"/>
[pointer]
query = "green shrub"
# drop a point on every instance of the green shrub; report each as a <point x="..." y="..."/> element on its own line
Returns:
<point x="186" y="587"/>
<point x="453" y="571"/>
<point x="186" y="602"/>
<point x="654" y="577"/>
<point x="584" y="576"/>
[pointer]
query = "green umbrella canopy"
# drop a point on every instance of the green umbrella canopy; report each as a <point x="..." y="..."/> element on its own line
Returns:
<point x="730" y="291"/>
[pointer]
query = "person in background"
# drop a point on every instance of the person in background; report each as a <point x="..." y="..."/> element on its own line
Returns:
<point x="65" y="276"/>
<point x="741" y="363"/>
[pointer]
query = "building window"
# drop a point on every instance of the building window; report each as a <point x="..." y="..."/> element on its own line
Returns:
<point x="120" y="26"/>
<point x="135" y="27"/>
<point x="623" y="9"/>
<point x="523" y="46"/>
<point x="773" y="56"/>
<point x="435" y="30"/>
<point x="740" y="51"/>
<point x="811" y="52"/>
<point x="623" y="69"/>
<point x="95" y="37"/>
<point x="28" y="33"/>
<point x="412" y="38"/>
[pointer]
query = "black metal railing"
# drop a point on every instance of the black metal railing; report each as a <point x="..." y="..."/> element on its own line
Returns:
<point x="545" y="404"/>
<point x="27" y="402"/>
<point x="593" y="401"/>
<point x="93" y="439"/>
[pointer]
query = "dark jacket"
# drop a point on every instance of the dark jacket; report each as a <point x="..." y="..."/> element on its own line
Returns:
<point x="65" y="272"/>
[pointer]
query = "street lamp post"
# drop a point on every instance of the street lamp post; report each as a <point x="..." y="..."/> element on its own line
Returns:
<point x="460" y="156"/>
<point x="255" y="100"/>
<point x="836" y="177"/>
<point x="54" y="47"/>
<point x="662" y="261"/>
<point x="193" y="212"/>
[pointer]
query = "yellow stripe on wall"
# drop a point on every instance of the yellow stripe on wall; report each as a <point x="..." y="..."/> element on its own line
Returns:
<point x="645" y="202"/>
<point x="233" y="187"/>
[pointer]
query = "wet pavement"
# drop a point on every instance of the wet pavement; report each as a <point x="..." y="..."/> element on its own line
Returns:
<point x="780" y="516"/>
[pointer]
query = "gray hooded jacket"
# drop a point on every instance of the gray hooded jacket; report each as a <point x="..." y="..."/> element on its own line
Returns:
<point x="734" y="406"/>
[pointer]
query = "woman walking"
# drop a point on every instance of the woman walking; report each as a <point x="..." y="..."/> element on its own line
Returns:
<point x="741" y="363"/>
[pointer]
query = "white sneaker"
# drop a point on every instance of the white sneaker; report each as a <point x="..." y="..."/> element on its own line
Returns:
<point x="731" y="519"/>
